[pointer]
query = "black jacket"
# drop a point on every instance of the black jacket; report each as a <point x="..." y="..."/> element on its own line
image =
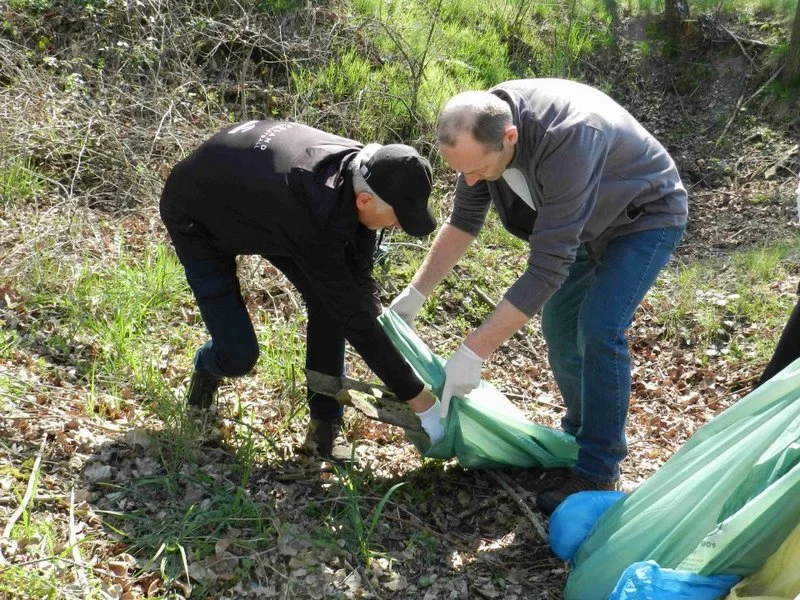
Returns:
<point x="283" y="189"/>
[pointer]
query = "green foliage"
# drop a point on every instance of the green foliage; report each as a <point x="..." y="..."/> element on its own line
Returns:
<point x="23" y="583"/>
<point x="116" y="304"/>
<point x="9" y="339"/>
<point x="34" y="5"/>
<point x="727" y="305"/>
<point x="409" y="57"/>
<point x="474" y="59"/>
<point x="351" y="486"/>
<point x="744" y="9"/>
<point x="695" y="74"/>
<point x="112" y="311"/>
<point x="185" y="528"/>
<point x="19" y="181"/>
<point x="278" y="6"/>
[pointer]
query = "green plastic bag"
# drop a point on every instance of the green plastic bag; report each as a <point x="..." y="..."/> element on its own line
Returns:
<point x="483" y="429"/>
<point x="721" y="505"/>
<point x="778" y="579"/>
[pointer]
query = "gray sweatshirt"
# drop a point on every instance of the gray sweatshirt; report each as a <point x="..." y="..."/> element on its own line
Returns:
<point x="594" y="173"/>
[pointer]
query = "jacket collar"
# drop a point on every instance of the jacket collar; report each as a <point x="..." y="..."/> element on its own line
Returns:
<point x="327" y="183"/>
<point x="513" y="102"/>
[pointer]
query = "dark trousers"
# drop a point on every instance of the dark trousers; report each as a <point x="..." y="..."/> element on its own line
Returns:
<point x="233" y="349"/>
<point x="788" y="348"/>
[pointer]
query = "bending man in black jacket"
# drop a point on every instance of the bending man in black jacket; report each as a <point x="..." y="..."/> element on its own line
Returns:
<point x="309" y="202"/>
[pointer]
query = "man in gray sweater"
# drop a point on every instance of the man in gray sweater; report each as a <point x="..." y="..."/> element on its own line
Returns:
<point x="601" y="205"/>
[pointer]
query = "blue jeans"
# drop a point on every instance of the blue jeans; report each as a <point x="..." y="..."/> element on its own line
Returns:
<point x="585" y="324"/>
<point x="233" y="350"/>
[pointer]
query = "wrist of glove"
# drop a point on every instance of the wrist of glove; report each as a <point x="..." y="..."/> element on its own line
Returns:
<point x="462" y="375"/>
<point x="408" y="303"/>
<point x="431" y="423"/>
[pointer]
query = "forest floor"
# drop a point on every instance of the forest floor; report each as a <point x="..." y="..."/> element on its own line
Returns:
<point x="232" y="524"/>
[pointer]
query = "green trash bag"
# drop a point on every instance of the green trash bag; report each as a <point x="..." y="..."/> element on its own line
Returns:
<point x="483" y="429"/>
<point x="721" y="505"/>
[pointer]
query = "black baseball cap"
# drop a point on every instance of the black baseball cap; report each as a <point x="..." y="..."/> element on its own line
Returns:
<point x="402" y="179"/>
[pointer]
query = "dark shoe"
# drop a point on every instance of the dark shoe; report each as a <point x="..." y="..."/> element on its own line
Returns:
<point x="202" y="391"/>
<point x="549" y="500"/>
<point x="536" y="479"/>
<point x="325" y="440"/>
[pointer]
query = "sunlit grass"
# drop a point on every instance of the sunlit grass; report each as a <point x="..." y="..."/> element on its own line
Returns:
<point x="729" y="305"/>
<point x="19" y="181"/>
<point x="422" y="52"/>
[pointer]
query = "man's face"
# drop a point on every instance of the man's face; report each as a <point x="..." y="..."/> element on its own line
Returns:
<point x="475" y="161"/>
<point x="375" y="214"/>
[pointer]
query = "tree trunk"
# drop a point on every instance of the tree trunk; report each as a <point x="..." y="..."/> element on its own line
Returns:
<point x="791" y="74"/>
<point x="675" y="11"/>
<point x="672" y="18"/>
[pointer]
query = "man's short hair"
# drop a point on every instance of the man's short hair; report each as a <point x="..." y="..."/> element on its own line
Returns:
<point x="359" y="183"/>
<point x="482" y="114"/>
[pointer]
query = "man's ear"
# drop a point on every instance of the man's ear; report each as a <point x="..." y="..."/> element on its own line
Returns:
<point x="511" y="135"/>
<point x="364" y="200"/>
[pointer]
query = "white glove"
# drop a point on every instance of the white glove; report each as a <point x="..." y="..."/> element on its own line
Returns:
<point x="431" y="423"/>
<point x="407" y="304"/>
<point x="462" y="374"/>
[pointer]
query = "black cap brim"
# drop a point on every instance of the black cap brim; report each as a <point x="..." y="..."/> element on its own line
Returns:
<point x="417" y="223"/>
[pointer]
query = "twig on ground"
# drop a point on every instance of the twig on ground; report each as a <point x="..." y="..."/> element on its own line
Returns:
<point x="36" y="498"/>
<point x="741" y="104"/>
<point x="53" y="558"/>
<point x="478" y="507"/>
<point x="739" y="43"/>
<point x="80" y="572"/>
<point x="51" y="410"/>
<point x="535" y="519"/>
<point x="536" y="400"/>
<point x="451" y="537"/>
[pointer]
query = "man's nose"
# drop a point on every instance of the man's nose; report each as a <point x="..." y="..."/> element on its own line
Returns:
<point x="471" y="179"/>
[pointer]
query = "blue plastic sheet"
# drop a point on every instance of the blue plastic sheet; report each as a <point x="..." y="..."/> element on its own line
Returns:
<point x="647" y="581"/>
<point x="574" y="518"/>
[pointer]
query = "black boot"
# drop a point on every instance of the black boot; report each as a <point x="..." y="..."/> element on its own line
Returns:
<point x="202" y="391"/>
<point x="325" y="439"/>
<point x="549" y="500"/>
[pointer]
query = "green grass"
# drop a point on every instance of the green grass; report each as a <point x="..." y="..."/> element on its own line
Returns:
<point x="35" y="5"/>
<point x="19" y="181"/>
<point x="9" y="340"/>
<point x="488" y="268"/>
<point x="362" y="525"/>
<point x="23" y="583"/>
<point x="278" y="6"/>
<point x="123" y="316"/>
<point x="409" y="57"/>
<point x="728" y="305"/>
<point x="745" y="9"/>
<point x="114" y="314"/>
<point x="186" y="529"/>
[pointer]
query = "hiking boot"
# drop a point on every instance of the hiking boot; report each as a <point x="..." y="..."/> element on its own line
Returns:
<point x="549" y="500"/>
<point x="326" y="440"/>
<point x="202" y="391"/>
